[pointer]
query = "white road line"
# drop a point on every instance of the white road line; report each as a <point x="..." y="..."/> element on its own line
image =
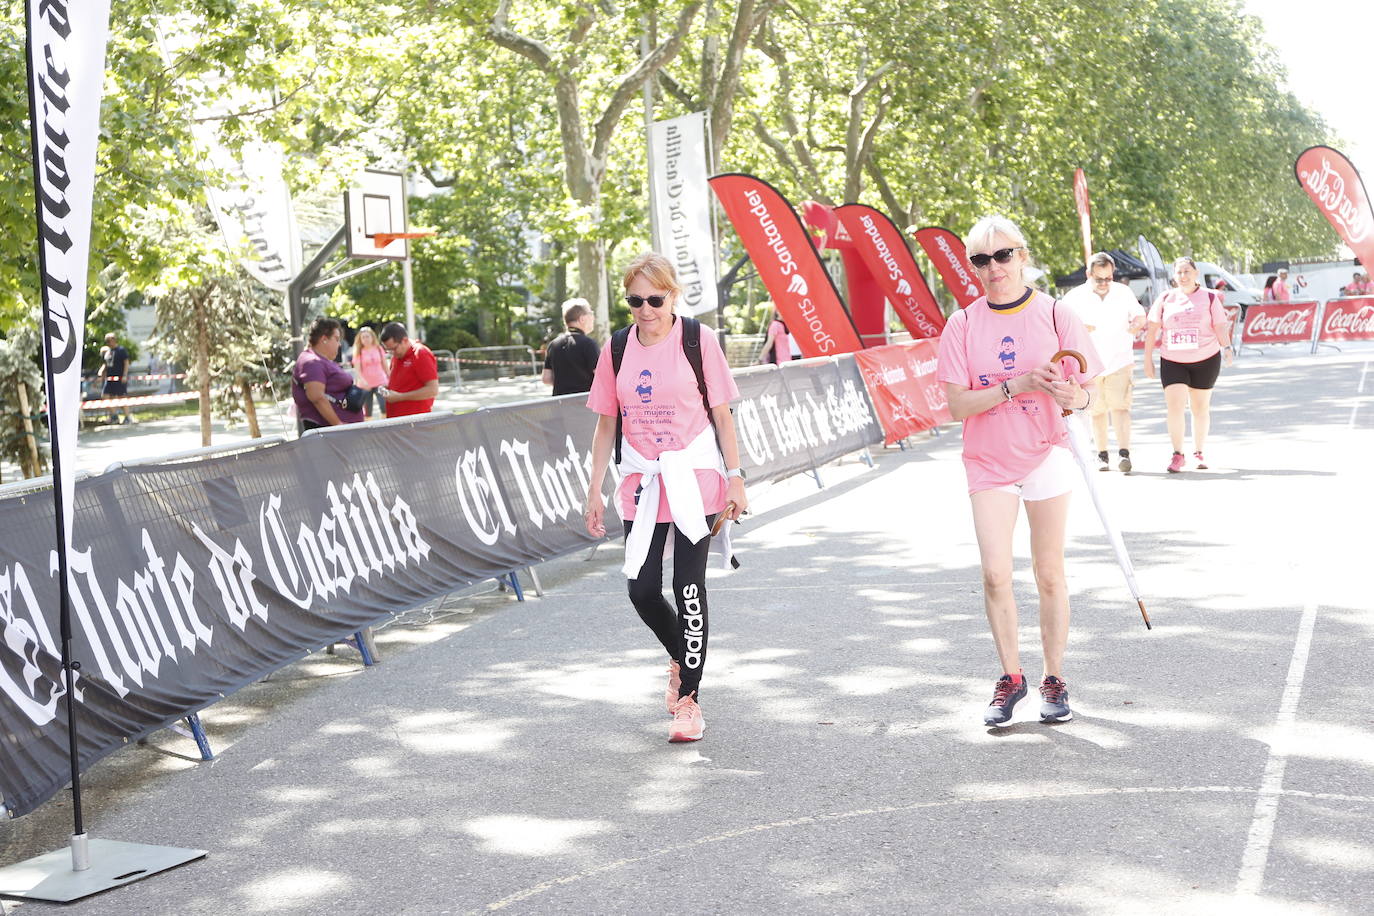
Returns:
<point x="1359" y="389"/>
<point x="1256" y="855"/>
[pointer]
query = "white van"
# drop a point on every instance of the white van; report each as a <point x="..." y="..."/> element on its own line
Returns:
<point x="1234" y="291"/>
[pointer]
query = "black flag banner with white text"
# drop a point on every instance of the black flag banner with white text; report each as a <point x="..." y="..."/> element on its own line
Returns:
<point x="192" y="579"/>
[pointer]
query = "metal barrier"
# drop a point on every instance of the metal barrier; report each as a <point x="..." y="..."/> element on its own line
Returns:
<point x="442" y="358"/>
<point x="493" y="361"/>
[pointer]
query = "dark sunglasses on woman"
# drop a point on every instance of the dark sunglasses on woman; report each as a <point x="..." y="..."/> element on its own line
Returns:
<point x="638" y="301"/>
<point x="1001" y="256"/>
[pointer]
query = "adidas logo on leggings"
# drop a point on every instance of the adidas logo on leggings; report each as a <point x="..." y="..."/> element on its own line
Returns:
<point x="692" y="605"/>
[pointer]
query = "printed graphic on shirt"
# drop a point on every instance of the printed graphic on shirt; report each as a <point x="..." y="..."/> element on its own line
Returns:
<point x="1005" y="352"/>
<point x="645" y="388"/>
<point x="1008" y="354"/>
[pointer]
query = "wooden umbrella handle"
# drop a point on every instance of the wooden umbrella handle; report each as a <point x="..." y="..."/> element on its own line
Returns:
<point x="1082" y="365"/>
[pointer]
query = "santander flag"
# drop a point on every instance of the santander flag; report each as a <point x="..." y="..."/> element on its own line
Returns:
<point x="1335" y="187"/>
<point x="1080" y="197"/>
<point x="946" y="251"/>
<point x="802" y="290"/>
<point x="884" y="252"/>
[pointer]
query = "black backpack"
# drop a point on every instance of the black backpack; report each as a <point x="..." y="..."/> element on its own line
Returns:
<point x="691" y="347"/>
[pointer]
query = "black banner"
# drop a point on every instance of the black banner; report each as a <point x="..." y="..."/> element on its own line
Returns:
<point x="196" y="578"/>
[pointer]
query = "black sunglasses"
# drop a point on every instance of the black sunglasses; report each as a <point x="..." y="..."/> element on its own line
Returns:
<point x="638" y="301"/>
<point x="1001" y="256"/>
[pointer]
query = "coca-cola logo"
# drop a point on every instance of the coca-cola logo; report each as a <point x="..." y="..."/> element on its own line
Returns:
<point x="1292" y="323"/>
<point x="1327" y="188"/>
<point x="1346" y="321"/>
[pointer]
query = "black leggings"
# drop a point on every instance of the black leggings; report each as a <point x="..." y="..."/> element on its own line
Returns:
<point x="682" y="632"/>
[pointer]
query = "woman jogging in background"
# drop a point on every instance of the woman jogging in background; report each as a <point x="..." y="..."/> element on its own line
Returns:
<point x="372" y="364"/>
<point x="679" y="464"/>
<point x="996" y="369"/>
<point x="1195" y="335"/>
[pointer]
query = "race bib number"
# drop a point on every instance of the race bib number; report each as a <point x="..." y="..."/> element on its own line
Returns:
<point x="1182" y="338"/>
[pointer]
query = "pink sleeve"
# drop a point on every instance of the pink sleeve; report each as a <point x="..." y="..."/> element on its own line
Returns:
<point x="1156" y="313"/>
<point x="1073" y="336"/>
<point x="953" y="360"/>
<point x="720" y="384"/>
<point x="1218" y="310"/>
<point x="602" y="397"/>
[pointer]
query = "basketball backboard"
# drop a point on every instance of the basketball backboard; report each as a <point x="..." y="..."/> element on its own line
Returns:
<point x="376" y="206"/>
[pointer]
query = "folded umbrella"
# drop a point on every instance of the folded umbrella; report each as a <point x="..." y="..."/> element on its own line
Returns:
<point x="1082" y="453"/>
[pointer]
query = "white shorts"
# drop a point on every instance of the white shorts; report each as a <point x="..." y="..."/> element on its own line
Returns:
<point x="1053" y="477"/>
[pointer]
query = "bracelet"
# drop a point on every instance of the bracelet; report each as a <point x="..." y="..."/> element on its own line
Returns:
<point x="1006" y="391"/>
<point x="1088" y="402"/>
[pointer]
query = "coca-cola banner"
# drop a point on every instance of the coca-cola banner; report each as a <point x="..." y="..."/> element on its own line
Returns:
<point x="1288" y="322"/>
<point x="884" y="251"/>
<point x="1080" y="199"/>
<point x="1336" y="188"/>
<point x="193" y="579"/>
<point x="946" y="251"/>
<point x="787" y="262"/>
<point x="1347" y="319"/>
<point x="903" y="386"/>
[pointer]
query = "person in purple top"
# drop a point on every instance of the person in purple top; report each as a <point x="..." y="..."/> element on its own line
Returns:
<point x="318" y="384"/>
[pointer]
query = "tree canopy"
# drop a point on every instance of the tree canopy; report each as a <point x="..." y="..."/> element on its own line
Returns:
<point x="525" y="119"/>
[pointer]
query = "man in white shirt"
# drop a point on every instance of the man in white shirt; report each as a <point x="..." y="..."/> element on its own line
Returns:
<point x="1113" y="317"/>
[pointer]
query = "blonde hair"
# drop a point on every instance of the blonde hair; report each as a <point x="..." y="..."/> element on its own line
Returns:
<point x="980" y="236"/>
<point x="358" y="338"/>
<point x="655" y="268"/>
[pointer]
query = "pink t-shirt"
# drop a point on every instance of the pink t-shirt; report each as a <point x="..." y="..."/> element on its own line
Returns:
<point x="1281" y="291"/>
<point x="1188" y="320"/>
<point x="371" y="370"/>
<point x="782" y="343"/>
<point x="982" y="347"/>
<point x="661" y="410"/>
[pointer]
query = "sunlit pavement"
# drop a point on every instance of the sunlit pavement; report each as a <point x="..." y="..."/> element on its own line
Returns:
<point x="513" y="757"/>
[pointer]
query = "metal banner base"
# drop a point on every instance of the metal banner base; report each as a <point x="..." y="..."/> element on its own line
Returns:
<point x="112" y="864"/>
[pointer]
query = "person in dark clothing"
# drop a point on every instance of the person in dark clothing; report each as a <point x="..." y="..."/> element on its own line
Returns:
<point x="114" y="374"/>
<point x="570" y="361"/>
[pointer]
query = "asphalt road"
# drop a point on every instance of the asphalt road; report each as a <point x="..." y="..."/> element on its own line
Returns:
<point x="512" y="757"/>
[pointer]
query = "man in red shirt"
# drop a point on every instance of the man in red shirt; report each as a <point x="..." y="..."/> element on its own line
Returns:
<point x="414" y="379"/>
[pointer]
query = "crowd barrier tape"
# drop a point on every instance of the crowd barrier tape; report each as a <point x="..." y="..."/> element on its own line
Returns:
<point x="196" y="575"/>
<point x="142" y="400"/>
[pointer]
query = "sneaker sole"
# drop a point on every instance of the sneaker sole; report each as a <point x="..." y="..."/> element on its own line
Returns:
<point x="682" y="739"/>
<point x="998" y="724"/>
<point x="1064" y="718"/>
<point x="1125" y="467"/>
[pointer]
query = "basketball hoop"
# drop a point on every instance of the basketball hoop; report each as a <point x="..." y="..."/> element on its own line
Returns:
<point x="383" y="239"/>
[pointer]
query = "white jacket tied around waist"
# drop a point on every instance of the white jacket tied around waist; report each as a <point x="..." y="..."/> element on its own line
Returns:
<point x="672" y="475"/>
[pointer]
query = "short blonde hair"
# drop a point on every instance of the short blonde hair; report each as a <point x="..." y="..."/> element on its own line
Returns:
<point x="980" y="236"/>
<point x="655" y="268"/>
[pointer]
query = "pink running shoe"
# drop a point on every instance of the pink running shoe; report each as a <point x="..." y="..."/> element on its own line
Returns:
<point x="688" y="725"/>
<point x="1201" y="462"/>
<point x="1176" y="463"/>
<point x="674" y="684"/>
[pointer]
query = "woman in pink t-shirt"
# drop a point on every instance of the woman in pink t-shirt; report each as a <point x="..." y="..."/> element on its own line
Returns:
<point x="996" y="369"/>
<point x="1190" y="325"/>
<point x="678" y="463"/>
<point x="777" y="346"/>
<point x="371" y="362"/>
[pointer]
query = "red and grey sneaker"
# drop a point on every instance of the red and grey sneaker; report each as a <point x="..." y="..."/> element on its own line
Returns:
<point x="1054" y="697"/>
<point x="1005" y="695"/>
<point x="688" y="724"/>
<point x="1200" y="461"/>
<point x="1176" y="463"/>
<point x="674" y="684"/>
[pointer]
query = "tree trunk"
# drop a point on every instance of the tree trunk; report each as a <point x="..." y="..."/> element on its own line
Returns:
<point x="251" y="410"/>
<point x="591" y="282"/>
<point x="203" y="364"/>
<point x="34" y="466"/>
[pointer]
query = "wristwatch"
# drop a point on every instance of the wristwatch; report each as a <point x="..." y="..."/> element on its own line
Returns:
<point x="734" y="472"/>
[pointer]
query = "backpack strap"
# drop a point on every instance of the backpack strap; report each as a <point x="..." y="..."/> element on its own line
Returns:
<point x="618" y="341"/>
